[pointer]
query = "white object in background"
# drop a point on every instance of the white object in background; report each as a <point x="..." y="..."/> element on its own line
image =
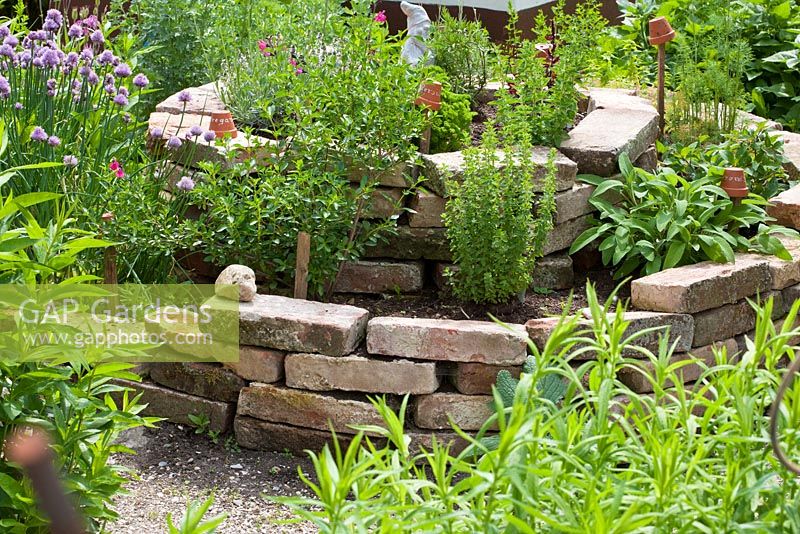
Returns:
<point x="419" y="28"/>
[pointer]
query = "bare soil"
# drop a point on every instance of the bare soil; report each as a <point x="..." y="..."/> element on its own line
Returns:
<point x="434" y="304"/>
<point x="173" y="466"/>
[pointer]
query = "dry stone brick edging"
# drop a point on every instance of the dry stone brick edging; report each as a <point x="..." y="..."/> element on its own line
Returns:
<point x="306" y="409"/>
<point x="295" y="325"/>
<point x="785" y="207"/>
<point x="377" y="277"/>
<point x="702" y="286"/>
<point x="252" y="433"/>
<point x="791" y="150"/>
<point x="408" y="243"/>
<point x="446" y="340"/>
<point x="437" y="410"/>
<point x="205" y="101"/>
<point x="258" y="364"/>
<point x="427" y="209"/>
<point x="478" y="378"/>
<point x="439" y="168"/>
<point x="357" y="373"/>
<point x="681" y="330"/>
<point x="202" y="379"/>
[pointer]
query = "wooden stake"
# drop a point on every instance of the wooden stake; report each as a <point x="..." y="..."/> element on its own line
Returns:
<point x="425" y="141"/>
<point x="662" y="59"/>
<point x="301" y="266"/>
<point x="110" y="266"/>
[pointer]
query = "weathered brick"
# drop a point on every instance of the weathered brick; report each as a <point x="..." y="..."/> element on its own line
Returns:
<point x="681" y="328"/>
<point x="378" y="277"/>
<point x="176" y="406"/>
<point x="385" y="202"/>
<point x="458" y="341"/>
<point x="356" y="373"/>
<point x="202" y="379"/>
<point x="398" y="175"/>
<point x="292" y="324"/>
<point x="637" y="380"/>
<point x="791" y="150"/>
<point x="205" y="100"/>
<point x="438" y="168"/>
<point x="703" y="286"/>
<point x="258" y="364"/>
<point x="785" y="208"/>
<point x="648" y="160"/>
<point x="306" y="409"/>
<point x="437" y="410"/>
<point x="553" y="272"/>
<point x="784" y="272"/>
<point x="730" y="320"/>
<point x="260" y="435"/>
<point x="625" y="124"/>
<point x="427" y="210"/>
<point x="423" y="439"/>
<point x="478" y="378"/>
<point x="573" y="203"/>
<point x="562" y="235"/>
<point x="408" y="243"/>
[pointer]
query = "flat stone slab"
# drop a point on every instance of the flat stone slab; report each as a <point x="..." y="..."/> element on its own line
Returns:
<point x="785" y="207"/>
<point x="258" y="364"/>
<point x="377" y="277"/>
<point x="731" y="320"/>
<point x="437" y="410"/>
<point x="427" y="209"/>
<point x="227" y="152"/>
<point x="553" y="272"/>
<point x="703" y="286"/>
<point x="252" y="433"/>
<point x="446" y="340"/>
<point x="295" y="325"/>
<point x="202" y="379"/>
<point x="784" y="273"/>
<point x="357" y="373"/>
<point x="438" y="168"/>
<point x="791" y="149"/>
<point x="205" y="100"/>
<point x="619" y="124"/>
<point x="478" y="378"/>
<point x="573" y="203"/>
<point x="681" y="330"/>
<point x="637" y="379"/>
<point x="176" y="406"/>
<point x="385" y="202"/>
<point x="563" y="234"/>
<point x="306" y="409"/>
<point x="413" y="244"/>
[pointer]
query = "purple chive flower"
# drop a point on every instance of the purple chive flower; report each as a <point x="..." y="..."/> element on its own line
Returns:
<point x="126" y="118"/>
<point x="37" y="62"/>
<point x="6" y="50"/>
<point x="84" y="70"/>
<point x="11" y="40"/>
<point x="110" y="89"/>
<point x="106" y="57"/>
<point x="53" y="20"/>
<point x="38" y="134"/>
<point x="185" y="184"/>
<point x="123" y="91"/>
<point x="141" y="81"/>
<point x="121" y="100"/>
<point x="174" y="142"/>
<point x="4" y="31"/>
<point x="91" y="22"/>
<point x="5" y="87"/>
<point x="25" y="58"/>
<point x="18" y="106"/>
<point x="87" y="54"/>
<point x="196" y="131"/>
<point x="51" y="58"/>
<point x="184" y="96"/>
<point x="72" y="60"/>
<point x="53" y="140"/>
<point x="122" y="70"/>
<point x="51" y="84"/>
<point x="209" y="136"/>
<point x="108" y="79"/>
<point x="70" y="161"/>
<point x="156" y="133"/>
<point x="97" y="37"/>
<point x="75" y="31"/>
<point x="93" y="78"/>
<point x="76" y="87"/>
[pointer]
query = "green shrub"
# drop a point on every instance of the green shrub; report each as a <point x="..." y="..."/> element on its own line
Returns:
<point x="450" y="125"/>
<point x="756" y="150"/>
<point x="692" y="458"/>
<point x="254" y="219"/>
<point x="663" y="221"/>
<point x="493" y="234"/>
<point x="463" y="49"/>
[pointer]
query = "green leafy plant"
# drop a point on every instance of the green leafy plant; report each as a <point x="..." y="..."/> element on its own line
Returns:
<point x="664" y="221"/>
<point x="540" y="95"/>
<point x="756" y="149"/>
<point x="605" y="458"/>
<point x="450" y="124"/>
<point x="463" y="49"/>
<point x="493" y="234"/>
<point x="193" y="522"/>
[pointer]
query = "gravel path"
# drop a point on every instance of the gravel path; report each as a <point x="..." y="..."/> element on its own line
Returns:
<point x="174" y="465"/>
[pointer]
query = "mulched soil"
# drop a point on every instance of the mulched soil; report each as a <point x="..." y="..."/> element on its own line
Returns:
<point x="484" y="113"/>
<point x="433" y="304"/>
<point x="173" y="466"/>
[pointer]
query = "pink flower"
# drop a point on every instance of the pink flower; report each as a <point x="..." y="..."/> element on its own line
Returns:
<point x="120" y="173"/>
<point x="299" y="71"/>
<point x="114" y="165"/>
<point x="262" y="44"/>
<point x="380" y="17"/>
<point x="293" y="62"/>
